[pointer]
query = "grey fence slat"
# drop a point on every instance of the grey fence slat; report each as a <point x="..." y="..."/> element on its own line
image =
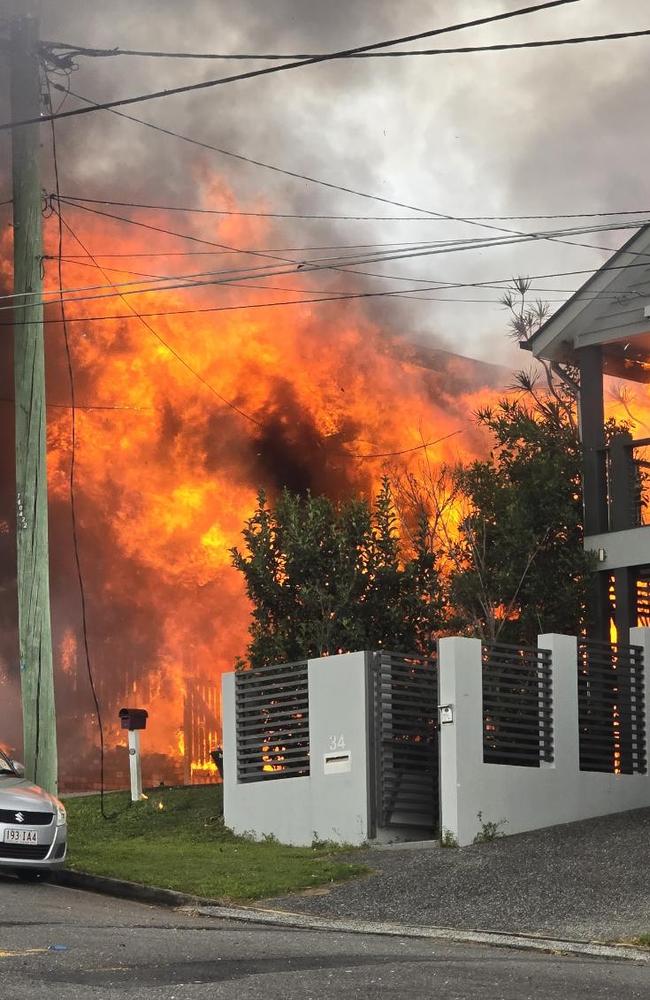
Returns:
<point x="272" y="710"/>
<point x="294" y="755"/>
<point x="249" y="718"/>
<point x="253" y="773"/>
<point x="611" y="713"/>
<point x="517" y="705"/>
<point x="285" y="737"/>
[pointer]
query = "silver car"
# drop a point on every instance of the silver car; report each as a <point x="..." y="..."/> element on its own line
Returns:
<point x="33" y="826"/>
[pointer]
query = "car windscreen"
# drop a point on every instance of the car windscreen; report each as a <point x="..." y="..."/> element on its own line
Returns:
<point x="6" y="767"/>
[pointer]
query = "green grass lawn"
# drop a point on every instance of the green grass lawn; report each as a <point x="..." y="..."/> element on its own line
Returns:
<point x="176" y="839"/>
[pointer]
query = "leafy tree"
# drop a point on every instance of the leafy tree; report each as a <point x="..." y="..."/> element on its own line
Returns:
<point x="326" y="578"/>
<point x="520" y="567"/>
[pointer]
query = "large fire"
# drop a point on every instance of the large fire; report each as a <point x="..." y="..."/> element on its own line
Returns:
<point x="167" y="472"/>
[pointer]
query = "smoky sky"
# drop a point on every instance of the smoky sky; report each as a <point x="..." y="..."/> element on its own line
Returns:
<point x="547" y="131"/>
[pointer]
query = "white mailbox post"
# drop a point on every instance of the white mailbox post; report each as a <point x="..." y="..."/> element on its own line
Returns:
<point x="134" y="719"/>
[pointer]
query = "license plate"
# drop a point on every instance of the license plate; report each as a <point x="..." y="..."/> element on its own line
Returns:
<point x="13" y="836"/>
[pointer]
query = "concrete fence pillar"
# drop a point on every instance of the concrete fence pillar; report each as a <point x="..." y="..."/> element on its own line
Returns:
<point x="564" y="674"/>
<point x="461" y="738"/>
<point x="467" y="785"/>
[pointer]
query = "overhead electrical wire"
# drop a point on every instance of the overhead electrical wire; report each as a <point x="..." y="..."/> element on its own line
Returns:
<point x="229" y="248"/>
<point x="227" y="277"/>
<point x="78" y="262"/>
<point x="69" y="50"/>
<point x="435" y="287"/>
<point x="298" y="291"/>
<point x="224" y="277"/>
<point x="243" y="306"/>
<point x="271" y="251"/>
<point x="226" y="247"/>
<point x="189" y="210"/>
<point x="284" y="67"/>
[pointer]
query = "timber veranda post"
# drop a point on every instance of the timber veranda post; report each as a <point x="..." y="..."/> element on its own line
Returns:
<point x="34" y="621"/>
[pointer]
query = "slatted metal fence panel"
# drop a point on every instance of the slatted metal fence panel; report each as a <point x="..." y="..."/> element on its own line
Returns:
<point x="272" y="716"/>
<point x="611" y="709"/>
<point x="517" y="705"/>
<point x="406" y="738"/>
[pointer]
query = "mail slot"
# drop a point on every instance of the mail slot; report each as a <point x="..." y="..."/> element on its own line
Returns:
<point x="337" y="762"/>
<point x="134" y="718"/>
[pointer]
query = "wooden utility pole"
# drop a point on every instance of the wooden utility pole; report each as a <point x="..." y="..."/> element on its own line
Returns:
<point x="34" y="624"/>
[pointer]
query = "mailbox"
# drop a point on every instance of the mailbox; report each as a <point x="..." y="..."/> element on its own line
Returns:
<point x="133" y="718"/>
<point x="217" y="760"/>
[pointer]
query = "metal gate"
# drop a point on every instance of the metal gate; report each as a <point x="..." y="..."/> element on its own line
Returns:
<point x="611" y="708"/>
<point x="405" y="701"/>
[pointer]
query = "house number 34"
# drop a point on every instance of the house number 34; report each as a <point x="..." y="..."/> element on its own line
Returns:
<point x="336" y="742"/>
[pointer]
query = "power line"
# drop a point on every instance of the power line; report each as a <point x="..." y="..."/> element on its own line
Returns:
<point x="224" y="247"/>
<point x="406" y="451"/>
<point x="228" y="248"/>
<point x="226" y="277"/>
<point x="70" y="51"/>
<point x="397" y="294"/>
<point x="245" y="306"/>
<point x="317" y="264"/>
<point x="78" y="262"/>
<point x="271" y="251"/>
<point x="359" y="295"/>
<point x="346" y="218"/>
<point x="283" y="67"/>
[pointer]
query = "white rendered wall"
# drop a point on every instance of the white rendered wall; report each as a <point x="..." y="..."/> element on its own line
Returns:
<point x="332" y="802"/>
<point x="528" y="798"/>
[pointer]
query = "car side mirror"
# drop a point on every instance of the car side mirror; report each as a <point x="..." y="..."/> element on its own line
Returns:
<point x="19" y="768"/>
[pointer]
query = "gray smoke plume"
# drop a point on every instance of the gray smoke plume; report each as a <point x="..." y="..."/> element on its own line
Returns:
<point x="537" y="131"/>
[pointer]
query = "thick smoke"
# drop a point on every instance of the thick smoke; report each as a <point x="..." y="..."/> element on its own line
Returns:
<point x="518" y="132"/>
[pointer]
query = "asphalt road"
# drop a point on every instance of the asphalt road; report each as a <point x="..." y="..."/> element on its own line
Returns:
<point x="65" y="944"/>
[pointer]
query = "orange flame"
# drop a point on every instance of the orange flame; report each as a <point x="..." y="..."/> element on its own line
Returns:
<point x="166" y="471"/>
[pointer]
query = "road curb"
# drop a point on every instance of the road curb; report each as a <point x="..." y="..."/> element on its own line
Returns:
<point x="130" y="890"/>
<point x="285" y="918"/>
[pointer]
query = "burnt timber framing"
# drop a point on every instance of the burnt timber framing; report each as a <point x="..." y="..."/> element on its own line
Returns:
<point x="604" y="330"/>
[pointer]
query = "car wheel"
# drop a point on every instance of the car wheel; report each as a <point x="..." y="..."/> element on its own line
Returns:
<point x="33" y="875"/>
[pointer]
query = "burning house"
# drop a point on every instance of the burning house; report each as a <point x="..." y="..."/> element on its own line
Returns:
<point x="169" y="456"/>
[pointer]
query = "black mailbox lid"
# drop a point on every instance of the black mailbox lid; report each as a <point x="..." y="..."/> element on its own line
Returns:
<point x="134" y="718"/>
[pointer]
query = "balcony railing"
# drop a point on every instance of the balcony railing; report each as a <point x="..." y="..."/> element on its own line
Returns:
<point x="627" y="470"/>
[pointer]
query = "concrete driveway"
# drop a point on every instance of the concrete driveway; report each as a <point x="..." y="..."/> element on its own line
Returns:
<point x="586" y="881"/>
<point x="65" y="944"/>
